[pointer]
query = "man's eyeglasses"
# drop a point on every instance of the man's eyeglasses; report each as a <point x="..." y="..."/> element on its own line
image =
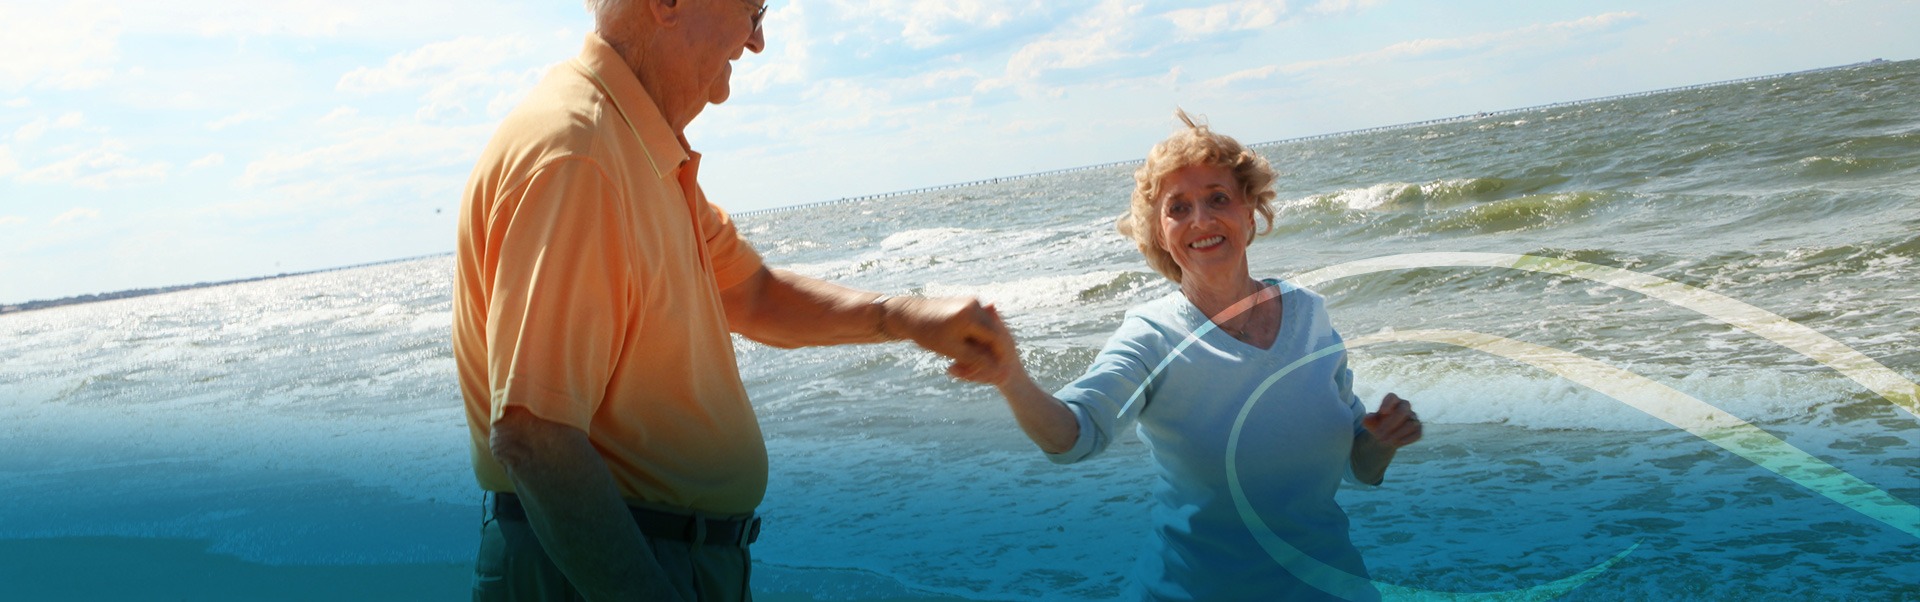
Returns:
<point x="759" y="11"/>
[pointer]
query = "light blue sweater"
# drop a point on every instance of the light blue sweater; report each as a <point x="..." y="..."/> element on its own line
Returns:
<point x="1292" y="454"/>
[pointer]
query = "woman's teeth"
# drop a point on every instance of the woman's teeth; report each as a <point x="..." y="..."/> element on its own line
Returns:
<point x="1207" y="242"/>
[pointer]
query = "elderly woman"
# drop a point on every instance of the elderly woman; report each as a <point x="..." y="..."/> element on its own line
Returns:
<point x="1183" y="367"/>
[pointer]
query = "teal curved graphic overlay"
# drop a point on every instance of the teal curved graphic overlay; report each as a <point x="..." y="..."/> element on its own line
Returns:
<point x="1700" y="418"/>
<point x="1339" y="582"/>
<point x="1678" y="409"/>
<point x="1821" y="348"/>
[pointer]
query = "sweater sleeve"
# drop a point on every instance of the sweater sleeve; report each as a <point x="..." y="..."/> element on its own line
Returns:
<point x="1109" y="397"/>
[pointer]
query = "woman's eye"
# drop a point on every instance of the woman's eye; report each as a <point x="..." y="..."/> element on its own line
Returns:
<point x="1176" y="208"/>
<point x="1220" y="199"/>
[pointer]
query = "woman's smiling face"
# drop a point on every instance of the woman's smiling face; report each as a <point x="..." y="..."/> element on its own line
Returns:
<point x="1205" y="223"/>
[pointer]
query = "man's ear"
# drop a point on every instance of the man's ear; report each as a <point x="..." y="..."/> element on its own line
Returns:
<point x="665" y="13"/>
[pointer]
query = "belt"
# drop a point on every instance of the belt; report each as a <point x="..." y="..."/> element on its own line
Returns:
<point x="658" y="524"/>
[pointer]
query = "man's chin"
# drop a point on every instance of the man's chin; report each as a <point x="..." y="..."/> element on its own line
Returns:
<point x="722" y="87"/>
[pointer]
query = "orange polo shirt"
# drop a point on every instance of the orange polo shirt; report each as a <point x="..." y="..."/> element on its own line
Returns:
<point x="588" y="293"/>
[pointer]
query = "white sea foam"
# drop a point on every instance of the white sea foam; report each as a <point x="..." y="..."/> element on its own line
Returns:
<point x="1070" y="291"/>
<point x="1386" y="195"/>
<point x="919" y="240"/>
<point x="1373" y="197"/>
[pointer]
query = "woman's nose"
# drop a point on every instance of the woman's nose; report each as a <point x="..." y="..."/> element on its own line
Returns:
<point x="1201" y="213"/>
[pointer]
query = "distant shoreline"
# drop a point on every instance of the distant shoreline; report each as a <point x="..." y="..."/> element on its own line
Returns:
<point x="143" y="292"/>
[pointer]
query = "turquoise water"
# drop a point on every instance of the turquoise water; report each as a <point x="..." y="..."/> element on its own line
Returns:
<point x="265" y="417"/>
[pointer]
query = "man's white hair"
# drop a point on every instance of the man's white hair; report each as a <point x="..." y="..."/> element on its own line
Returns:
<point x="600" y="7"/>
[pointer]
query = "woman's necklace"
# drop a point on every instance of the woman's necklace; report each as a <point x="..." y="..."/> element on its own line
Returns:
<point x="1247" y="324"/>
<point x="1256" y="313"/>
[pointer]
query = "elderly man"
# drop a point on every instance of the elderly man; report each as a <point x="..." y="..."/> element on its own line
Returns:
<point x="596" y="288"/>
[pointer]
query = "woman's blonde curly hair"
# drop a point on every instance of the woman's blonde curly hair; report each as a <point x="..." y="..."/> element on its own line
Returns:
<point x="1192" y="145"/>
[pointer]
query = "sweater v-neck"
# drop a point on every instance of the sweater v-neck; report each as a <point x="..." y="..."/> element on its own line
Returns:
<point x="1200" y="323"/>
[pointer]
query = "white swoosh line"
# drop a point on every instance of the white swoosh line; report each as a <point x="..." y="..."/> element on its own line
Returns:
<point x="1681" y="410"/>
<point x="1660" y="401"/>
<point x="1855" y="365"/>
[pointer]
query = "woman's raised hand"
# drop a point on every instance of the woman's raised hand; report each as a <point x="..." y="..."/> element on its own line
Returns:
<point x="1395" y="425"/>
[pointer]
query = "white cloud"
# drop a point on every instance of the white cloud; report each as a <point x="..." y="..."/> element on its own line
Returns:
<point x="33" y="130"/>
<point x="78" y="79"/>
<point x="320" y="19"/>
<point x="339" y="115"/>
<point x="1228" y="16"/>
<point x="814" y="41"/>
<point x="424" y="65"/>
<point x="917" y="24"/>
<point x="1102" y="35"/>
<point x="369" y="154"/>
<point x="942" y="77"/>
<point x="212" y="160"/>
<point x="282" y="17"/>
<point x="453" y="73"/>
<point x="12" y="220"/>
<point x="59" y="44"/>
<point x="76" y="214"/>
<point x="101" y="167"/>
<point x="7" y="165"/>
<point x="236" y="119"/>
<point x="1324" y="7"/>
<point x="19" y="103"/>
<point x="1499" y="42"/>
<point x="1254" y="74"/>
<point x="925" y="24"/>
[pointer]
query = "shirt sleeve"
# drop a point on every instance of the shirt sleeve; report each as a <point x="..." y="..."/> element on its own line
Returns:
<point x="1108" y="399"/>
<point x="1343" y="383"/>
<point x="733" y="259"/>
<point x="561" y="293"/>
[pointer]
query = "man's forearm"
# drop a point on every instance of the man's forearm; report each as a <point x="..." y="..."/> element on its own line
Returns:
<point x="788" y="310"/>
<point x="784" y="309"/>
<point x="576" y="511"/>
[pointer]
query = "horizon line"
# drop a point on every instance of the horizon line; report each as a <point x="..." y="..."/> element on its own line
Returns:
<point x="36" y="304"/>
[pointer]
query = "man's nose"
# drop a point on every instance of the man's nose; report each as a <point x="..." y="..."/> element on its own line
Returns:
<point x="758" y="41"/>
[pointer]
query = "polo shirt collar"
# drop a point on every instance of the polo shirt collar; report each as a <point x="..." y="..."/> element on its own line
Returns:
<point x="610" y="73"/>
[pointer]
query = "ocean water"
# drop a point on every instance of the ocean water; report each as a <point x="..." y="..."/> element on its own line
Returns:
<point x="316" y="419"/>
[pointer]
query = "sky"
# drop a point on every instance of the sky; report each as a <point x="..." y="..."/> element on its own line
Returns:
<point x="148" y="144"/>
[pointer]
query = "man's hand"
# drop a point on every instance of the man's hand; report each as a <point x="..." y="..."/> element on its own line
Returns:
<point x="1004" y="369"/>
<point x="1395" y="425"/>
<point x="960" y="328"/>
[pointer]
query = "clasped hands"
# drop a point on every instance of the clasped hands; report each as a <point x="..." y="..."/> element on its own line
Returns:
<point x="963" y="329"/>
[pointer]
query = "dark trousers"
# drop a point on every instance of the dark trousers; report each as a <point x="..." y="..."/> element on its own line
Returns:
<point x="512" y="567"/>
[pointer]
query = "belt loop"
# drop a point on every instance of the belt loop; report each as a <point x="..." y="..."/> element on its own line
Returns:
<point x="749" y="531"/>
<point x="699" y="529"/>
